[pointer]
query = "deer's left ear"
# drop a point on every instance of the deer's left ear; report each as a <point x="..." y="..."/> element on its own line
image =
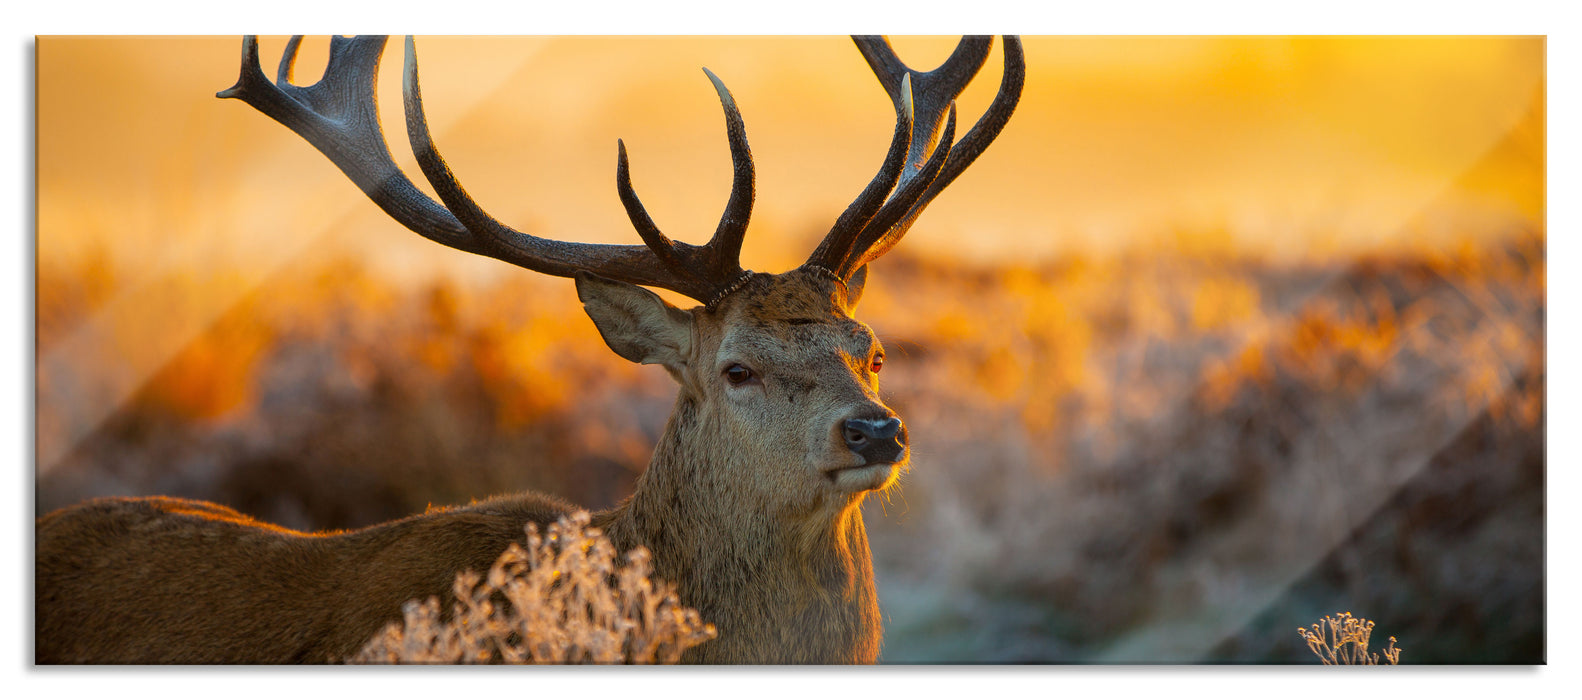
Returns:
<point x="636" y="323"/>
<point x="854" y="288"/>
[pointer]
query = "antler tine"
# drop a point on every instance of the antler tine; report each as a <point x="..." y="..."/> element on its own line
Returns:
<point x="720" y="258"/>
<point x="337" y="116"/>
<point x="967" y="150"/>
<point x="831" y="252"/>
<point x="726" y="243"/>
<point x="659" y="263"/>
<point x="288" y="60"/>
<point x="862" y="250"/>
<point x="650" y="233"/>
<point x="934" y="93"/>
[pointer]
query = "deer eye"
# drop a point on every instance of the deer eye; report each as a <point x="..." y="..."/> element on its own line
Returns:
<point x="877" y="364"/>
<point x="738" y="375"/>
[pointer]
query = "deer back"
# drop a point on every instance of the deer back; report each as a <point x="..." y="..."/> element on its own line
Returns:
<point x="168" y="580"/>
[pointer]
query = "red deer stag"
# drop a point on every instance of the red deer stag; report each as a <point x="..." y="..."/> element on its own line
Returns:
<point x="750" y="503"/>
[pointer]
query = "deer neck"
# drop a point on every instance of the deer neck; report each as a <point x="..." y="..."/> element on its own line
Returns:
<point x="781" y="584"/>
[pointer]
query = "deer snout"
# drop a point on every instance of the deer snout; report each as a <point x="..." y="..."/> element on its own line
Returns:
<point x="878" y="440"/>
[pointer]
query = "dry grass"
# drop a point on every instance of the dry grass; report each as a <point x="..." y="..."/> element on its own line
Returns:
<point x="1163" y="456"/>
<point x="562" y="600"/>
<point x="1342" y="640"/>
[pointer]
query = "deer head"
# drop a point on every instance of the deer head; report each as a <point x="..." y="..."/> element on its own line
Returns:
<point x="775" y="364"/>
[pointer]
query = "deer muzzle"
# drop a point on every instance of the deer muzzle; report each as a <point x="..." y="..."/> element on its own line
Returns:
<point x="877" y="440"/>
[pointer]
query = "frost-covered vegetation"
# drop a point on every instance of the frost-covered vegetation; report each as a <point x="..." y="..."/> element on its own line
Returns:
<point x="561" y="600"/>
<point x="1342" y="640"/>
<point x="1172" y="455"/>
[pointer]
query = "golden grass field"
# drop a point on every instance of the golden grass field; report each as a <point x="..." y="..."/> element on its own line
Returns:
<point x="1221" y="336"/>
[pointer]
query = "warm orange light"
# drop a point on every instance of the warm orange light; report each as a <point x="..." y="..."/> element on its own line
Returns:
<point x="1140" y="170"/>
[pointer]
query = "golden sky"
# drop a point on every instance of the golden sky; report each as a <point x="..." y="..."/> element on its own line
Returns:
<point x="1269" y="145"/>
<point x="1287" y="144"/>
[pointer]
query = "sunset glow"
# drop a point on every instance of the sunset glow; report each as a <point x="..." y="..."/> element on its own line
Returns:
<point x="1283" y="273"/>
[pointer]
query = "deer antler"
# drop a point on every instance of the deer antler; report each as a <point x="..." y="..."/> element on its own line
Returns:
<point x="872" y="225"/>
<point x="338" y="116"/>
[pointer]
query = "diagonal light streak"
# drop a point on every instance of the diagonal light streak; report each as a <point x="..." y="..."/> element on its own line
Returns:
<point x="1360" y="482"/>
<point x="1366" y="480"/>
<point x="89" y="374"/>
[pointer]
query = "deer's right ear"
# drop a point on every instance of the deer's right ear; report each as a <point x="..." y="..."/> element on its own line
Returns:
<point x="636" y="323"/>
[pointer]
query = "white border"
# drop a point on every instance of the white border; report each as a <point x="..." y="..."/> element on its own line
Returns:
<point x="805" y="17"/>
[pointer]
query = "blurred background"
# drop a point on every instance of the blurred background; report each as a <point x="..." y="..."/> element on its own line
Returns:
<point x="1223" y="334"/>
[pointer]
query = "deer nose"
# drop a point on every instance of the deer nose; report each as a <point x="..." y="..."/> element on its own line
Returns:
<point x="878" y="440"/>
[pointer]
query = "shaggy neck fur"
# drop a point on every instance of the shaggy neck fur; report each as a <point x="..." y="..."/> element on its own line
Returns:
<point x="781" y="587"/>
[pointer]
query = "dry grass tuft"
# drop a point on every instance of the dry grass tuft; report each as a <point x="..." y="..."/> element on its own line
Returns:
<point x="560" y="601"/>
<point x="1341" y="640"/>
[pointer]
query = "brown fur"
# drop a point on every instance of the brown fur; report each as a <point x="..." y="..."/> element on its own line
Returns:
<point x="738" y="506"/>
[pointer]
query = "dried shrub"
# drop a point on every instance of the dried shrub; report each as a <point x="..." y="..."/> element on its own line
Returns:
<point x="1342" y="640"/>
<point x="561" y="600"/>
